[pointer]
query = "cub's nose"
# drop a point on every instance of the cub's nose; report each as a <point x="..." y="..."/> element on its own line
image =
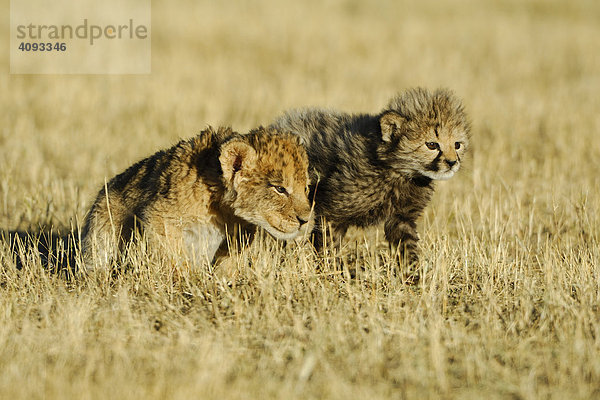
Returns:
<point x="301" y="221"/>
<point x="450" y="163"/>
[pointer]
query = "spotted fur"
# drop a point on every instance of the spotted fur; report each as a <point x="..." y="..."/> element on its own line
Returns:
<point x="370" y="169"/>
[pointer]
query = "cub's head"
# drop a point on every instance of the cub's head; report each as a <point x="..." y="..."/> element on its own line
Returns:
<point x="266" y="176"/>
<point x="425" y="133"/>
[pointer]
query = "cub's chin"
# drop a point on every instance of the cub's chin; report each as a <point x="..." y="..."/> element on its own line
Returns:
<point x="442" y="176"/>
<point x="279" y="234"/>
<point x="439" y="175"/>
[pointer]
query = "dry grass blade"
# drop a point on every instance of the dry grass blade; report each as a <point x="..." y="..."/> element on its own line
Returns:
<point x="508" y="306"/>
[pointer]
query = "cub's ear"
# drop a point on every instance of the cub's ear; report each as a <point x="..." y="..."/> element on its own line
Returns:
<point x="236" y="156"/>
<point x="390" y="122"/>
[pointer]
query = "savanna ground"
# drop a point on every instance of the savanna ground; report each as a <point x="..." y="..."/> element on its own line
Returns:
<point x="509" y="304"/>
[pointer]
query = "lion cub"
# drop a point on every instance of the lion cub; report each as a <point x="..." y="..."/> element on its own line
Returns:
<point x="189" y="197"/>
<point x="379" y="168"/>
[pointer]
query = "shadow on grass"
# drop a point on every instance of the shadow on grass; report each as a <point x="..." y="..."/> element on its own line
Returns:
<point x="56" y="251"/>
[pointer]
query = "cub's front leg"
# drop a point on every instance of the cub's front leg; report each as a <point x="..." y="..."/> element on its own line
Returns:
<point x="202" y="241"/>
<point x="224" y="263"/>
<point x="401" y="233"/>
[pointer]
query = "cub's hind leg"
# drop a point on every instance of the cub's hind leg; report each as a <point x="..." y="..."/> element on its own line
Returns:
<point x="107" y="227"/>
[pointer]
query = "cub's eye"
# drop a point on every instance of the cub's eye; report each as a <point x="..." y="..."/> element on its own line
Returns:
<point x="432" y="145"/>
<point x="457" y="145"/>
<point x="279" y="189"/>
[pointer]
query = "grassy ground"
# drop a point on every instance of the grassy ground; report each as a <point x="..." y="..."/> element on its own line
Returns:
<point x="509" y="306"/>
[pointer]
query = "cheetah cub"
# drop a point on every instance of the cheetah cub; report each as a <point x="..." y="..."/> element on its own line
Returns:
<point x="191" y="196"/>
<point x="367" y="169"/>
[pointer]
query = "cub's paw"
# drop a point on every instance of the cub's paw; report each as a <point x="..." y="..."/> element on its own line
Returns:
<point x="406" y="267"/>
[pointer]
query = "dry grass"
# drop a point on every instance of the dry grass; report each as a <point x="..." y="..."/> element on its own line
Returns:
<point x="509" y="305"/>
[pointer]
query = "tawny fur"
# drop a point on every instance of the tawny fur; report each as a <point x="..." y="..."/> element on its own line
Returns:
<point x="368" y="169"/>
<point x="189" y="197"/>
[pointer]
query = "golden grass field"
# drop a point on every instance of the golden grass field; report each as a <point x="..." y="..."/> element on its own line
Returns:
<point x="509" y="306"/>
